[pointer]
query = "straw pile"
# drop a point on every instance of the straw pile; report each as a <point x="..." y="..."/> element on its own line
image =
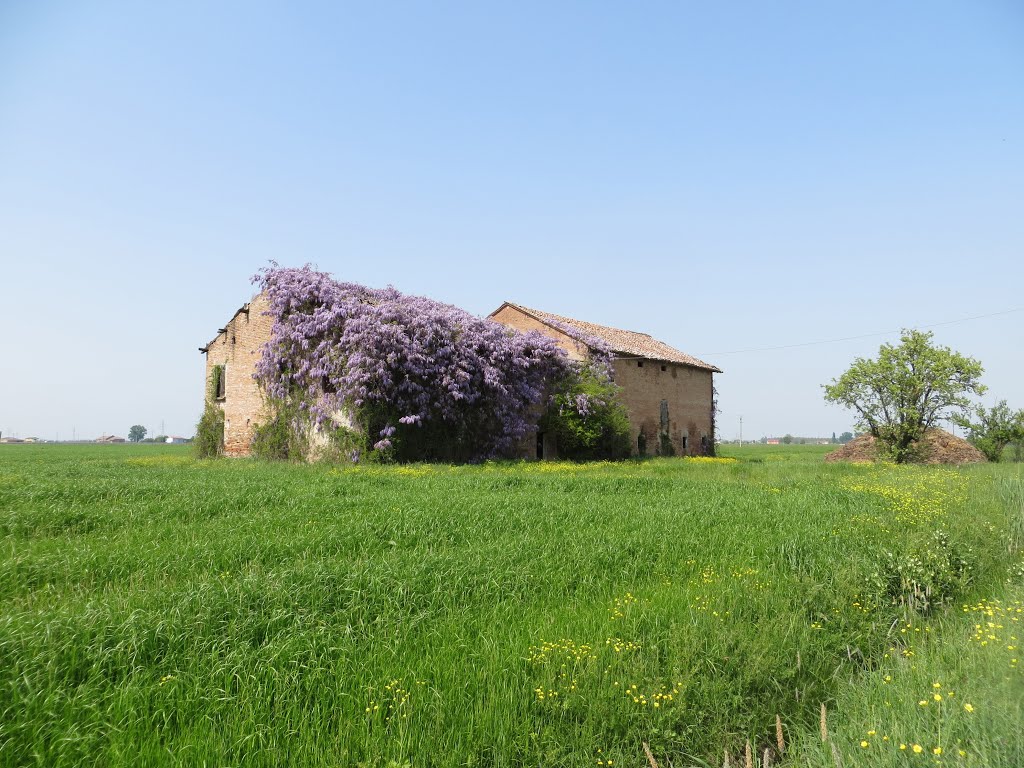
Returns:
<point x="938" y="447"/>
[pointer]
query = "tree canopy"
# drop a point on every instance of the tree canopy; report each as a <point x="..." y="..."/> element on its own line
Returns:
<point x="136" y="433"/>
<point x="990" y="430"/>
<point x="907" y="389"/>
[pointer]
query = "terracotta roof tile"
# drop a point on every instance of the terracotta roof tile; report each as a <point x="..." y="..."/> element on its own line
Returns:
<point x="622" y="342"/>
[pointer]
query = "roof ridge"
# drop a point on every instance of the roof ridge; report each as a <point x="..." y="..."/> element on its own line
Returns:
<point x="619" y="339"/>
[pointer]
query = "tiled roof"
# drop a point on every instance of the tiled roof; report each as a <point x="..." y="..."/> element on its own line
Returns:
<point x="622" y="342"/>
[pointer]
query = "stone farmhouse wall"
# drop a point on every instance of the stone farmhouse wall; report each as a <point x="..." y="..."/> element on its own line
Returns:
<point x="238" y="347"/>
<point x="660" y="397"/>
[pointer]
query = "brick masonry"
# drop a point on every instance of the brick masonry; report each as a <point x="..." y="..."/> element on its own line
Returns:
<point x="238" y="348"/>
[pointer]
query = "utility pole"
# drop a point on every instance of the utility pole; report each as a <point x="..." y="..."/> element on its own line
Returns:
<point x="741" y="430"/>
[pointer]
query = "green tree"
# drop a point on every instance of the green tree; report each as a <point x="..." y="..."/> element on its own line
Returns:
<point x="136" y="433"/>
<point x="845" y="437"/>
<point x="209" y="439"/>
<point x="906" y="390"/>
<point x="588" y="419"/>
<point x="992" y="429"/>
<point x="787" y="439"/>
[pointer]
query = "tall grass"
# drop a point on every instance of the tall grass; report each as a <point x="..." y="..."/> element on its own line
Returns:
<point x="161" y="610"/>
<point x="950" y="688"/>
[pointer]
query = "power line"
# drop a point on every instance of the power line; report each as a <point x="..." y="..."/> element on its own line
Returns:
<point x="861" y="336"/>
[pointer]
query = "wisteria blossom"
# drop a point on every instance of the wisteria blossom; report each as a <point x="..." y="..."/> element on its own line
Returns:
<point x="404" y="367"/>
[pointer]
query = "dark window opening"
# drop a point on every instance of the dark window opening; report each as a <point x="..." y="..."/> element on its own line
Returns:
<point x="684" y="442"/>
<point x="639" y="363"/>
<point x="664" y="367"/>
<point x="221" y="375"/>
<point x="540" y="445"/>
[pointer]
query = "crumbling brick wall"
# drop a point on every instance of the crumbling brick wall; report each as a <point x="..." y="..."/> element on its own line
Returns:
<point x="687" y="393"/>
<point x="237" y="347"/>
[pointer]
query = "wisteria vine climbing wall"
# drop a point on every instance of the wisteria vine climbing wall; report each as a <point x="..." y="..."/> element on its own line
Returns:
<point x="420" y="379"/>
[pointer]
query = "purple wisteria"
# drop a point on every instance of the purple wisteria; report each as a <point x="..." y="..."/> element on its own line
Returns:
<point x="425" y="379"/>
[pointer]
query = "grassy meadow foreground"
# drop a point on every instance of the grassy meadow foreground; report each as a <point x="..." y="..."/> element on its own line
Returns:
<point x="157" y="610"/>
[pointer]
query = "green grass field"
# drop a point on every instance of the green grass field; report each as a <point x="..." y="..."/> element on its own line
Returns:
<point x="156" y="610"/>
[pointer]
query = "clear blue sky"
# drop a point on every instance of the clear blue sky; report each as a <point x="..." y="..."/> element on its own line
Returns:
<point x="724" y="176"/>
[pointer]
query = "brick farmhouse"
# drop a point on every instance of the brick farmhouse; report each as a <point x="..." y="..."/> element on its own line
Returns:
<point x="668" y="394"/>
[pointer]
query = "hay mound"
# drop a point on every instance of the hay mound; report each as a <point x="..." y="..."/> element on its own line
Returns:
<point x="938" y="447"/>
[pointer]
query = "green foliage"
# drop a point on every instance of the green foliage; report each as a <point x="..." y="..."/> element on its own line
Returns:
<point x="787" y="439"/>
<point x="906" y="390"/>
<point x="711" y="449"/>
<point x="1011" y="491"/>
<point x="209" y="439"/>
<point x="992" y="429"/>
<point x="889" y="716"/>
<point x="343" y="444"/>
<point x="136" y="433"/>
<point x="286" y="433"/>
<point x="282" y="435"/>
<point x="845" y="437"/>
<point x="216" y="382"/>
<point x="588" y="418"/>
<point x="931" y="575"/>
